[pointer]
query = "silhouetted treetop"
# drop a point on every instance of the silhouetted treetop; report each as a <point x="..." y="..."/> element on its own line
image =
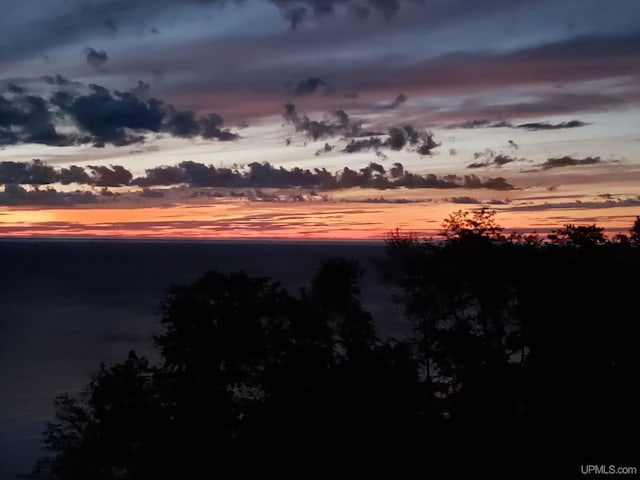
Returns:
<point x="477" y="223"/>
<point x="579" y="235"/>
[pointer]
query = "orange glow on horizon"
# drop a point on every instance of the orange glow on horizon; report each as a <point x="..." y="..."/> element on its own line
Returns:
<point x="265" y="220"/>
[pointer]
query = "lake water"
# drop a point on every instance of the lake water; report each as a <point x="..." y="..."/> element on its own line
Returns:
<point x="66" y="306"/>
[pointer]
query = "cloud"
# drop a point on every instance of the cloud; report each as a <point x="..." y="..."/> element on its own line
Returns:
<point x="72" y="174"/>
<point x="552" y="126"/>
<point x="542" y="104"/>
<point x="399" y="100"/>
<point x="181" y="123"/>
<point x="298" y="11"/>
<point x="255" y="175"/>
<point x="210" y="127"/>
<point x="454" y="71"/>
<point x="106" y="116"/>
<point x="96" y="58"/>
<point x="38" y="173"/>
<point x="339" y="123"/>
<point x="308" y="86"/>
<point x="28" y="119"/>
<point x="34" y="173"/>
<point x="578" y="204"/>
<point x="76" y="21"/>
<point x="326" y="149"/>
<point x="574" y="59"/>
<point x="184" y="123"/>
<point x="364" y="144"/>
<point x="167" y="175"/>
<point x="481" y="123"/>
<point x="488" y="158"/>
<point x="17" y="195"/>
<point x="567" y="161"/>
<point x="464" y="200"/>
<point x="113" y="176"/>
<point x="101" y="117"/>
<point x="13" y="88"/>
<point x="397" y="137"/>
<point x="57" y="79"/>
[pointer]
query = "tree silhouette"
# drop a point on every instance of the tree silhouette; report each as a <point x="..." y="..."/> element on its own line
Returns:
<point x="579" y="235"/>
<point x="463" y="225"/>
<point x="635" y="231"/>
<point x="517" y="348"/>
<point x="246" y="369"/>
<point x="515" y="334"/>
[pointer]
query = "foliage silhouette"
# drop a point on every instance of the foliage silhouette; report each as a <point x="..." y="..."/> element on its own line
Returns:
<point x="578" y="235"/>
<point x="518" y="348"/>
<point x="463" y="225"/>
<point x="635" y="231"/>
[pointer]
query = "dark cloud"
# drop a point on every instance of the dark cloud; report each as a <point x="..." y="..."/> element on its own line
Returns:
<point x="186" y="124"/>
<point x="340" y="124"/>
<point x="308" y="86"/>
<point x="464" y="200"/>
<point x="265" y="175"/>
<point x="399" y="100"/>
<point x="489" y="158"/>
<point x="360" y="145"/>
<point x="7" y="137"/>
<point x="13" y="88"/>
<point x="112" y="176"/>
<point x="73" y="174"/>
<point x="211" y="127"/>
<point x="481" y="123"/>
<point x="326" y="149"/>
<point x="546" y="104"/>
<point x="181" y="123"/>
<point x="28" y="119"/>
<point x="16" y="195"/>
<point x="255" y="175"/>
<point x="397" y="137"/>
<point x="168" y="175"/>
<point x="552" y="126"/>
<point x="106" y="116"/>
<point x="38" y="173"/>
<point x="101" y="117"/>
<point x="57" y="79"/>
<point x="34" y="173"/>
<point x="567" y="161"/>
<point x="96" y="58"/>
<point x="401" y="136"/>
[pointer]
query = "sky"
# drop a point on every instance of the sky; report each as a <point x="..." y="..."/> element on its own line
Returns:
<point x="154" y="118"/>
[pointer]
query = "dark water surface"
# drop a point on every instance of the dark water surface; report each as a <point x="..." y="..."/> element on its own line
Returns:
<point x="66" y="306"/>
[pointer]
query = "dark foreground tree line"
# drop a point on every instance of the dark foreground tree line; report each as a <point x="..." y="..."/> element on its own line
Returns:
<point x="522" y="359"/>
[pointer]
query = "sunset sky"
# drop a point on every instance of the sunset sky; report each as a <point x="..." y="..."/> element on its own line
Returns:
<point x="538" y="100"/>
